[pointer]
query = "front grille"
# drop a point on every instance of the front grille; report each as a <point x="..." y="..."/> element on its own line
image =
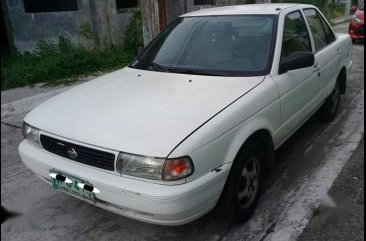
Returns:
<point x="85" y="155"/>
<point x="361" y="31"/>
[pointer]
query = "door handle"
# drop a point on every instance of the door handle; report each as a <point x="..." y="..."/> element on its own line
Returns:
<point x="316" y="67"/>
<point x="339" y="51"/>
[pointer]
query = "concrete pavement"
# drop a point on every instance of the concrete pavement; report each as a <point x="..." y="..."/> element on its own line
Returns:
<point x="340" y="20"/>
<point x="342" y="217"/>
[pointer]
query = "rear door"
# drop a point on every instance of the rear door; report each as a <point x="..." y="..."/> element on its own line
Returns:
<point x="326" y="50"/>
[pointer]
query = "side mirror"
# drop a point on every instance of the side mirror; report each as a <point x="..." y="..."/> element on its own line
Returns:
<point x="139" y="50"/>
<point x="297" y="60"/>
<point x="353" y="9"/>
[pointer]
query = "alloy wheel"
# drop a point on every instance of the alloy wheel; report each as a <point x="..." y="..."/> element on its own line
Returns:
<point x="248" y="183"/>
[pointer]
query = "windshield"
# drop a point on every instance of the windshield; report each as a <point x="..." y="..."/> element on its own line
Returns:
<point x="212" y="45"/>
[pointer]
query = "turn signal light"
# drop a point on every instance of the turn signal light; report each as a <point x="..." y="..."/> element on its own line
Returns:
<point x="176" y="169"/>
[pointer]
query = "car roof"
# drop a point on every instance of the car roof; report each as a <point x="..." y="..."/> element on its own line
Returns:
<point x="260" y="9"/>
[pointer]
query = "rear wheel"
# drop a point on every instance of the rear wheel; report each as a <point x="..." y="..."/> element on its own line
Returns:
<point x="330" y="108"/>
<point x="243" y="185"/>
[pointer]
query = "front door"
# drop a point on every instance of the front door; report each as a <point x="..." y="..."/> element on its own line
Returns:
<point x="299" y="89"/>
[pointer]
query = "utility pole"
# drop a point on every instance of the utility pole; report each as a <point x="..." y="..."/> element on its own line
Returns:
<point x="347" y="8"/>
<point x="150" y="20"/>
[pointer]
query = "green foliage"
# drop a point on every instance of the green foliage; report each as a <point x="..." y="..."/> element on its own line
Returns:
<point x="317" y="3"/>
<point x="250" y="2"/>
<point x="329" y="9"/>
<point x="64" y="62"/>
<point x="86" y="31"/>
<point x="133" y="34"/>
<point x="333" y="11"/>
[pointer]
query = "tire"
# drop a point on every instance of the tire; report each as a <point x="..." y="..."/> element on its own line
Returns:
<point x="329" y="109"/>
<point x="243" y="185"/>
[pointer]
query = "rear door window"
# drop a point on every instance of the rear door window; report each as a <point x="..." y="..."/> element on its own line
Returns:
<point x="321" y="40"/>
<point x="328" y="31"/>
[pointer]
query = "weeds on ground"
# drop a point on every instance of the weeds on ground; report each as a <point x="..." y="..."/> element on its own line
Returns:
<point x="64" y="62"/>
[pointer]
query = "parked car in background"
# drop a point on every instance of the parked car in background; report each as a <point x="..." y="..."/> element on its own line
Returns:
<point x="194" y="120"/>
<point x="357" y="24"/>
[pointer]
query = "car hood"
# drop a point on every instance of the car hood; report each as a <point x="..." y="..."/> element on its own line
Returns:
<point x="137" y="111"/>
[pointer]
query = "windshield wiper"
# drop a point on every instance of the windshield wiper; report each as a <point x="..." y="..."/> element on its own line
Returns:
<point x="162" y="68"/>
<point x="155" y="66"/>
<point x="197" y="72"/>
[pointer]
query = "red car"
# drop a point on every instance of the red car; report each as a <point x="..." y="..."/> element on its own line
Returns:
<point x="356" y="26"/>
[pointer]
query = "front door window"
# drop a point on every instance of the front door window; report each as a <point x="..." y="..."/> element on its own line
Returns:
<point x="295" y="35"/>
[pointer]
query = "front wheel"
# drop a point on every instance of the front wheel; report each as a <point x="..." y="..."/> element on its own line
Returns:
<point x="330" y="108"/>
<point x="243" y="185"/>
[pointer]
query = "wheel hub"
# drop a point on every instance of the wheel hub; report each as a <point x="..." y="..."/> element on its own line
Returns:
<point x="248" y="183"/>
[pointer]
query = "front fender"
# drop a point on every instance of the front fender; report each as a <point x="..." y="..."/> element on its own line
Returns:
<point x="218" y="141"/>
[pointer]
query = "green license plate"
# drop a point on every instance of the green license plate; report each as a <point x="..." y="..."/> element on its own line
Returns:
<point x="72" y="187"/>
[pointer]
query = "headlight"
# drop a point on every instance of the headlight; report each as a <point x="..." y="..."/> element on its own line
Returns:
<point x="154" y="168"/>
<point x="31" y="134"/>
<point x="356" y="19"/>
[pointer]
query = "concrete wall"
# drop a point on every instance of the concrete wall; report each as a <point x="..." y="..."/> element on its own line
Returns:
<point x="150" y="20"/>
<point x="108" y="25"/>
<point x="101" y="17"/>
<point x="175" y="8"/>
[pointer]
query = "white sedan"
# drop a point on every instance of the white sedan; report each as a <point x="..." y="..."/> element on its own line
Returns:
<point x="195" y="119"/>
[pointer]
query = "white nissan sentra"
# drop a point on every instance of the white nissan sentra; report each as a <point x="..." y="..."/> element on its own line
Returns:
<point x="195" y="119"/>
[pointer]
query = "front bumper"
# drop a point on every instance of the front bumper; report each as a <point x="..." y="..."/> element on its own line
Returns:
<point x="140" y="200"/>
<point x="356" y="31"/>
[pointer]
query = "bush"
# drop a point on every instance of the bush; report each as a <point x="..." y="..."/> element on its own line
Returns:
<point x="53" y="62"/>
<point x="64" y="62"/>
<point x="133" y="37"/>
